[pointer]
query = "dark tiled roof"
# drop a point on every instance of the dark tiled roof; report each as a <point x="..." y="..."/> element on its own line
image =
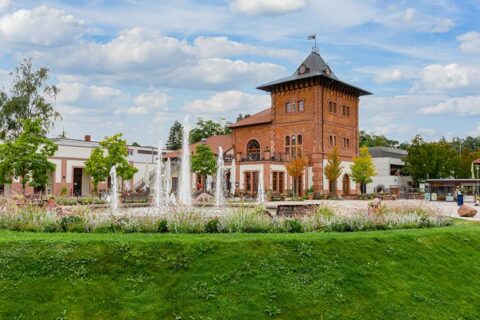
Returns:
<point x="264" y="116"/>
<point x="313" y="66"/>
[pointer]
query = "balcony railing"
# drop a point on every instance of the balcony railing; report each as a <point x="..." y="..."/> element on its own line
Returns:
<point x="277" y="156"/>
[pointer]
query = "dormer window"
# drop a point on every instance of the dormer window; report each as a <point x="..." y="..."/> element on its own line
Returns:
<point x="303" y="69"/>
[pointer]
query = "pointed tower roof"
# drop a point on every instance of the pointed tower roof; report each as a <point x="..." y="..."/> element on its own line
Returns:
<point x="312" y="67"/>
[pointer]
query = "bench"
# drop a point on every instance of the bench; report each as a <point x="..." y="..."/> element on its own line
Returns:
<point x="290" y="210"/>
<point x="134" y="197"/>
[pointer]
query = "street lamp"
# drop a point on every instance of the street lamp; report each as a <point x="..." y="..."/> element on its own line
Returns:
<point x="476" y="196"/>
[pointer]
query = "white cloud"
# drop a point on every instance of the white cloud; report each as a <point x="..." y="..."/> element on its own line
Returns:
<point x="437" y="77"/>
<point x="4" y="4"/>
<point x="461" y="106"/>
<point x="389" y="76"/>
<point x="142" y="57"/>
<point x="218" y="47"/>
<point x="225" y="73"/>
<point x="226" y="101"/>
<point x="42" y="26"/>
<point x="91" y="96"/>
<point x="470" y="42"/>
<point x="266" y="7"/>
<point x="163" y="117"/>
<point x="412" y="18"/>
<point x="149" y="101"/>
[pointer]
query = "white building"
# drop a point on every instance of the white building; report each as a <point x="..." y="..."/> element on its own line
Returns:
<point x="388" y="165"/>
<point x="70" y="177"/>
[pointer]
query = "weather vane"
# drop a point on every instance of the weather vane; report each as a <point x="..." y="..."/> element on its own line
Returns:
<point x="314" y="38"/>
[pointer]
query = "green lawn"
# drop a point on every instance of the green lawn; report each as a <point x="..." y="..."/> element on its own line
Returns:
<point x="402" y="274"/>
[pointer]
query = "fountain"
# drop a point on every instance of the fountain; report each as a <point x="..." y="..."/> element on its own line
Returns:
<point x="219" y="184"/>
<point x="113" y="197"/>
<point x="185" y="192"/>
<point x="208" y="184"/>
<point x="261" y="198"/>
<point x="233" y="175"/>
<point x="168" y="178"/>
<point x="159" y="193"/>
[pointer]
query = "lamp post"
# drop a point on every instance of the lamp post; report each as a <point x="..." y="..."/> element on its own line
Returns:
<point x="476" y="196"/>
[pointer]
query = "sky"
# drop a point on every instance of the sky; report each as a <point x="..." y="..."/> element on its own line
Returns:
<point x="136" y="66"/>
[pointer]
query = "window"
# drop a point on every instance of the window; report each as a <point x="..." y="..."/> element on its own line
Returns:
<point x="278" y="182"/>
<point x="300" y="105"/>
<point x="293" y="146"/>
<point x="346" y="110"/>
<point x="330" y="106"/>
<point x="332" y="141"/>
<point x="346" y="143"/>
<point x="253" y="150"/>
<point x="287" y="107"/>
<point x="294" y="107"/>
<point x="334" y="107"/>
<point x="130" y="152"/>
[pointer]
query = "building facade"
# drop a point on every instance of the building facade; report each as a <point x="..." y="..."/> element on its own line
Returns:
<point x="388" y="165"/>
<point x="311" y="113"/>
<point x="70" y="178"/>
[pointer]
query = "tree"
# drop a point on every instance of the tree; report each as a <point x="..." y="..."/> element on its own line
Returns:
<point x="209" y="128"/>
<point x="363" y="169"/>
<point x="432" y="160"/>
<point x="203" y="161"/>
<point x="373" y="140"/>
<point x="30" y="97"/>
<point x="295" y="169"/>
<point x="27" y="156"/>
<point x="241" y="116"/>
<point x="175" y="136"/>
<point x="333" y="170"/>
<point x="113" y="151"/>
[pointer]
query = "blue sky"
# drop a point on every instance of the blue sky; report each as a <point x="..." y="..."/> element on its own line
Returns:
<point x="136" y="66"/>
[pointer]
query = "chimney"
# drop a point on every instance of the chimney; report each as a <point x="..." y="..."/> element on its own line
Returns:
<point x="88" y="138"/>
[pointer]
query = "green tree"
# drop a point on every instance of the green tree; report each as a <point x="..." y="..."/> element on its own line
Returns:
<point x="363" y="169"/>
<point x="203" y="161"/>
<point x="209" y="128"/>
<point x="113" y="151"/>
<point x="373" y="140"/>
<point x="26" y="156"/>
<point x="175" y="136"/>
<point x="333" y="170"/>
<point x="432" y="160"/>
<point x="30" y="97"/>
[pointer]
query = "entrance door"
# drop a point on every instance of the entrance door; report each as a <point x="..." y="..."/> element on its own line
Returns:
<point x="251" y="183"/>
<point x="346" y="184"/>
<point x="298" y="186"/>
<point x="77" y="182"/>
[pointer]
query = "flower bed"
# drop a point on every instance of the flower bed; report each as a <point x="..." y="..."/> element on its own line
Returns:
<point x="248" y="220"/>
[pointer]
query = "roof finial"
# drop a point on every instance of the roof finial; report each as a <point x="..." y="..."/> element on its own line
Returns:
<point x="314" y="37"/>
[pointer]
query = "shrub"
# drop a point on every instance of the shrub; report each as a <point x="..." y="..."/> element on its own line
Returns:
<point x="72" y="224"/>
<point x="212" y="226"/>
<point x="293" y="226"/>
<point x="162" y="226"/>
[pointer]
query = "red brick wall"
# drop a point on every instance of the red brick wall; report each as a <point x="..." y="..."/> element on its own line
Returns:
<point x="315" y="123"/>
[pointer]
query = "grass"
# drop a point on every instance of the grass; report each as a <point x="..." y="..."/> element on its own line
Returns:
<point x="397" y="274"/>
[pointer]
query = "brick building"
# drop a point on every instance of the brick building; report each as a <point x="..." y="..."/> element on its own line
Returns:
<point x="311" y="112"/>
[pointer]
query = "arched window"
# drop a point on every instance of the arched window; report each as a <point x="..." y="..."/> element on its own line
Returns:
<point x="253" y="150"/>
